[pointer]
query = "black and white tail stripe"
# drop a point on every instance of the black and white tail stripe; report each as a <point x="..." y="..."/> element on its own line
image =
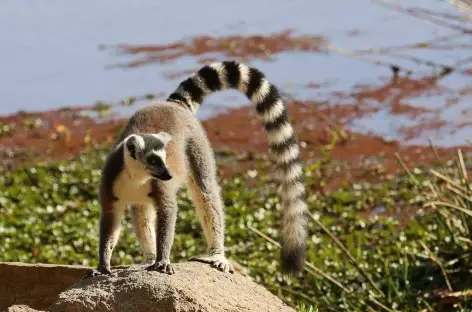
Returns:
<point x="283" y="144"/>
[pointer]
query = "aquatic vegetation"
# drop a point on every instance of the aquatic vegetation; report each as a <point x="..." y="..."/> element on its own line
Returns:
<point x="403" y="244"/>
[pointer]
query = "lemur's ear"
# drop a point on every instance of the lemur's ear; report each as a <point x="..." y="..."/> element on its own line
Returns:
<point x="164" y="137"/>
<point x="134" y="143"/>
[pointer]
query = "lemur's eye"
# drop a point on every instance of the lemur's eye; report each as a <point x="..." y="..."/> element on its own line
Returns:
<point x="154" y="160"/>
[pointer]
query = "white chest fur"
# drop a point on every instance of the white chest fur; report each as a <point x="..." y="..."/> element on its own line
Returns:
<point x="132" y="189"/>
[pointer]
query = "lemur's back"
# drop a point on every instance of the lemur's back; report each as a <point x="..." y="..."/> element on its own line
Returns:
<point x="160" y="116"/>
<point x="168" y="117"/>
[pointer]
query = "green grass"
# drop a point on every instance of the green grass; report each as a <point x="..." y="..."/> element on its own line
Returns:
<point x="49" y="213"/>
<point x="303" y="308"/>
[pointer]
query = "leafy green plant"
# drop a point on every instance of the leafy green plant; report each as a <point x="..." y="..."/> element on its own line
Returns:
<point x="303" y="308"/>
<point x="359" y="259"/>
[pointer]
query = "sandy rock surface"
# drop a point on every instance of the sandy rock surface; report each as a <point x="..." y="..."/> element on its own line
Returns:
<point x="194" y="287"/>
<point x="35" y="285"/>
<point x="20" y="308"/>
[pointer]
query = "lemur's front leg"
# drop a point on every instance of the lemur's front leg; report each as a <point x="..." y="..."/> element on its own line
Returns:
<point x="166" y="205"/>
<point x="144" y="218"/>
<point x="110" y="226"/>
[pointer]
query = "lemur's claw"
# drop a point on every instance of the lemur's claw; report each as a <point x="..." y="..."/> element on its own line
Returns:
<point x="162" y="266"/>
<point x="217" y="261"/>
<point x="100" y="271"/>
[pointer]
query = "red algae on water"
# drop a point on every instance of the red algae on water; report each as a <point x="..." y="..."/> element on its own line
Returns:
<point x="64" y="133"/>
<point x="234" y="46"/>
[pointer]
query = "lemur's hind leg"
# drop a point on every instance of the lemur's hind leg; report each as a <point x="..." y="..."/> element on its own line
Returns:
<point x="166" y="205"/>
<point x="143" y="218"/>
<point x="205" y="193"/>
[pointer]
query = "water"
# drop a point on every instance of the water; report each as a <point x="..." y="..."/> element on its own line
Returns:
<point x="50" y="52"/>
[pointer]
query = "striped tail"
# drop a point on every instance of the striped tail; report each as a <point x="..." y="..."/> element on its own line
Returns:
<point x="283" y="144"/>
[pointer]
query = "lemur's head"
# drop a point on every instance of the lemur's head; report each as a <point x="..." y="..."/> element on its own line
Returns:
<point x="148" y="150"/>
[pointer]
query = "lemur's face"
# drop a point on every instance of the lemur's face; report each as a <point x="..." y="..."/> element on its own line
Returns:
<point x="149" y="151"/>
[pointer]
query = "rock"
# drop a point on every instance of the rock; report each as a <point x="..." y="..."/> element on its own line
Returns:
<point x="35" y="285"/>
<point x="20" y="308"/>
<point x="194" y="287"/>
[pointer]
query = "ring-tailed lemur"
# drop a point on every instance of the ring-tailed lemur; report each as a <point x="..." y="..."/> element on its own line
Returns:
<point x="164" y="147"/>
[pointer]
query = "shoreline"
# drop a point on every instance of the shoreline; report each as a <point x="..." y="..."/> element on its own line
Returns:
<point x="65" y="133"/>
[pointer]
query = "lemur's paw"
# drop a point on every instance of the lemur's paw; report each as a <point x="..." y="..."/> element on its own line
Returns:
<point x="147" y="262"/>
<point x="99" y="271"/>
<point x="143" y="265"/>
<point x="162" y="266"/>
<point x="217" y="261"/>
